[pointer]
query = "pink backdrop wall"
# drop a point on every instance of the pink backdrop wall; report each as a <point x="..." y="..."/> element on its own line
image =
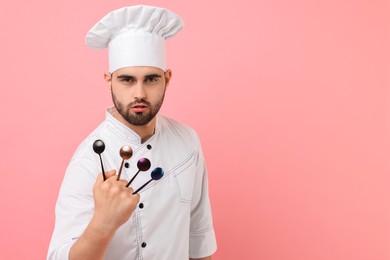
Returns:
<point x="291" y="100"/>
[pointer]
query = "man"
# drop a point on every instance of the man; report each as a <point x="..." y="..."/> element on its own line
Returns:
<point x="170" y="218"/>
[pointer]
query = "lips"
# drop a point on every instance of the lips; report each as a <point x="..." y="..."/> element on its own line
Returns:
<point x="139" y="108"/>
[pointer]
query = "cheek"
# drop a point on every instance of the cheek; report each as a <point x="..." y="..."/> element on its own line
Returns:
<point x="156" y="98"/>
<point x="158" y="93"/>
<point x="121" y="93"/>
<point x="120" y="96"/>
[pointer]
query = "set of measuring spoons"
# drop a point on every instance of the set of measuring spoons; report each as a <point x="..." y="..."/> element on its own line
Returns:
<point x="126" y="152"/>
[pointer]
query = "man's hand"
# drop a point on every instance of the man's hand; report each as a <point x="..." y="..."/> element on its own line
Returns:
<point x="114" y="204"/>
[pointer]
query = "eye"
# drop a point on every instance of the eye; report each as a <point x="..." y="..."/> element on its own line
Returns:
<point x="151" y="80"/>
<point x="127" y="80"/>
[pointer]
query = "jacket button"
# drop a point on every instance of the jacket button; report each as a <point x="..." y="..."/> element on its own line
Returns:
<point x="141" y="205"/>
<point x="143" y="244"/>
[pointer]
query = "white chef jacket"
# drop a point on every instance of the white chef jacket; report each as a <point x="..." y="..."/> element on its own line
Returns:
<point x="173" y="220"/>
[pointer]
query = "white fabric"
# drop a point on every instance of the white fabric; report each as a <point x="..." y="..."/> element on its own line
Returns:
<point x="135" y="36"/>
<point x="175" y="222"/>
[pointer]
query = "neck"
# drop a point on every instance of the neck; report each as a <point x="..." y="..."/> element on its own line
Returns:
<point x="144" y="131"/>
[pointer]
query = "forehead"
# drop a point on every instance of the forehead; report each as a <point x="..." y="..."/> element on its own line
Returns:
<point x="138" y="71"/>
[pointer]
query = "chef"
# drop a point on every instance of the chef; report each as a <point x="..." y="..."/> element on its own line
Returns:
<point x="169" y="219"/>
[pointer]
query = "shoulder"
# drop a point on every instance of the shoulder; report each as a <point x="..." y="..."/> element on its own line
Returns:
<point x="174" y="130"/>
<point x="171" y="126"/>
<point x="84" y="151"/>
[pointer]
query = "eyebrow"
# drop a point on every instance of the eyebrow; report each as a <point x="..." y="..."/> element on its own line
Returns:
<point x="125" y="76"/>
<point x="149" y="76"/>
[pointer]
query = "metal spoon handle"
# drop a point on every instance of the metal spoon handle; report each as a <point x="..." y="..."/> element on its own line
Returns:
<point x="120" y="171"/>
<point x="132" y="179"/>
<point x="101" y="163"/>
<point x="143" y="186"/>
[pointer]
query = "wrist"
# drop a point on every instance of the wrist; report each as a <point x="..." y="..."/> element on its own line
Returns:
<point x="101" y="229"/>
<point x="93" y="243"/>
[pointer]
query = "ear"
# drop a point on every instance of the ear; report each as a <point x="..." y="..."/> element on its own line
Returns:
<point x="108" y="79"/>
<point x="168" y="76"/>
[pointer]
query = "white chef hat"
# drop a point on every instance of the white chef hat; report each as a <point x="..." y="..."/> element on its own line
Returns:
<point x="135" y="36"/>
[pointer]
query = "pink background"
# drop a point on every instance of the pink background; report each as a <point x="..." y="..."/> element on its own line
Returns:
<point x="291" y="100"/>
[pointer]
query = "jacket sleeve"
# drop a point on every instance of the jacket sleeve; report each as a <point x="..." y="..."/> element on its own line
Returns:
<point x="74" y="207"/>
<point x="202" y="237"/>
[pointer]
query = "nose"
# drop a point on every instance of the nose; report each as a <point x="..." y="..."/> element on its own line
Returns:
<point x="139" y="91"/>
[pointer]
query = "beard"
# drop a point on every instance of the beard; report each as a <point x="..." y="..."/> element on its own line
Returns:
<point x="141" y="118"/>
